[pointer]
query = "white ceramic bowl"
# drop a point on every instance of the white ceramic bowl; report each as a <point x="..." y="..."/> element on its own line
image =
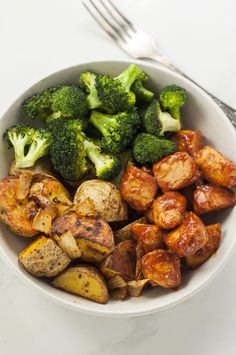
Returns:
<point x="200" y="113"/>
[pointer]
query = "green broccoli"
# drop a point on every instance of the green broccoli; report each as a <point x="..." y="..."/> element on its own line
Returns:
<point x="39" y="105"/>
<point x="141" y="93"/>
<point x="67" y="151"/>
<point x="107" y="166"/>
<point x="117" y="130"/>
<point x="157" y="122"/>
<point x="88" y="82"/>
<point x="29" y="144"/>
<point x="172" y="99"/>
<point x="111" y="94"/>
<point x="148" y="148"/>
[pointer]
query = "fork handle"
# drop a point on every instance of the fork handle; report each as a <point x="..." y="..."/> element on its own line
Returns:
<point x="228" y="110"/>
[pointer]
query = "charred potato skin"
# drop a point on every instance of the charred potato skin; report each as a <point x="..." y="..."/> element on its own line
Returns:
<point x="216" y="168"/>
<point x="106" y="198"/>
<point x="148" y="235"/>
<point x="167" y="211"/>
<point x="138" y="188"/>
<point x="203" y="254"/>
<point x="43" y="257"/>
<point x="162" y="268"/>
<point x="85" y="281"/>
<point x="189" y="237"/>
<point x="188" y="141"/>
<point x="17" y="215"/>
<point x="209" y="198"/>
<point x="93" y="235"/>
<point x="176" y="171"/>
<point x="122" y="261"/>
<point x="125" y="233"/>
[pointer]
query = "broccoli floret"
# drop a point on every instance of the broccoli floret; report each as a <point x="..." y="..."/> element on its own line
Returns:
<point x="149" y="148"/>
<point x="141" y="93"/>
<point x="39" y="105"/>
<point x="69" y="102"/>
<point x="67" y="150"/>
<point x="114" y="93"/>
<point x="117" y="130"/>
<point x="29" y="144"/>
<point x="172" y="99"/>
<point x="157" y="122"/>
<point x="88" y="82"/>
<point x="107" y="166"/>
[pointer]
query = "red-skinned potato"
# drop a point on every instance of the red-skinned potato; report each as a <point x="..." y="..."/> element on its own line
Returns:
<point x="214" y="237"/>
<point x="121" y="261"/>
<point x="167" y="211"/>
<point x="148" y="235"/>
<point x="188" y="141"/>
<point x="216" y="168"/>
<point x="209" y="198"/>
<point x="176" y="171"/>
<point x="189" y="237"/>
<point x="162" y="268"/>
<point x="138" y="188"/>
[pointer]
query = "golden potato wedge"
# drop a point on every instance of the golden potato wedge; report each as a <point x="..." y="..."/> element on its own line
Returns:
<point x="121" y="261"/>
<point x="187" y="238"/>
<point x="216" y="168"/>
<point x="148" y="235"/>
<point x="176" y="171"/>
<point x="209" y="198"/>
<point x="43" y="257"/>
<point x="214" y="237"/>
<point x="106" y="198"/>
<point x="135" y="287"/>
<point x="167" y="210"/>
<point x="17" y="215"/>
<point x="125" y="232"/>
<point x="93" y="236"/>
<point x="161" y="268"/>
<point x="85" y="281"/>
<point x="188" y="141"/>
<point x="138" y="188"/>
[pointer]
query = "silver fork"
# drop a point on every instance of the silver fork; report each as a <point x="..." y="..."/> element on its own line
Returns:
<point x="137" y="43"/>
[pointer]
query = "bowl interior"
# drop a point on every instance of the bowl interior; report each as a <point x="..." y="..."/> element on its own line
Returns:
<point x="200" y="113"/>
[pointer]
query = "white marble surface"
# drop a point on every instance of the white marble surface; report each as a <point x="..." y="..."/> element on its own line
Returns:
<point x="40" y="37"/>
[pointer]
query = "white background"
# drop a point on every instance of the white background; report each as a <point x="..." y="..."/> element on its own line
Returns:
<point x="40" y="37"/>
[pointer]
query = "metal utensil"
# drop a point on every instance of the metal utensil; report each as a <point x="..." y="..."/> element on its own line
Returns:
<point x="137" y="43"/>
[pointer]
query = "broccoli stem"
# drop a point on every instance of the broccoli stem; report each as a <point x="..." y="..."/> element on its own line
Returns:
<point x="102" y="122"/>
<point x="129" y="75"/>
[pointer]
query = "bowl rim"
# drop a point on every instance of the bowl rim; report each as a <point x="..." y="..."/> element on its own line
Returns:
<point x="106" y="312"/>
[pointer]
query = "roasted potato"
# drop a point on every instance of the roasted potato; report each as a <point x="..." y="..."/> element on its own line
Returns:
<point x="161" y="268"/>
<point x="135" y="287"/>
<point x="167" y="211"/>
<point x="187" y="238"/>
<point x="116" y="282"/>
<point x="121" y="261"/>
<point x="216" y="168"/>
<point x="175" y="171"/>
<point x="93" y="235"/>
<point x="209" y="198"/>
<point x="48" y="191"/>
<point x="188" y="141"/>
<point x="125" y="232"/>
<point x="148" y="235"/>
<point x="18" y="215"/>
<point x="140" y="252"/>
<point x="106" y="198"/>
<point x="43" y="257"/>
<point x="119" y="293"/>
<point x="138" y="188"/>
<point x="214" y="237"/>
<point x="85" y="281"/>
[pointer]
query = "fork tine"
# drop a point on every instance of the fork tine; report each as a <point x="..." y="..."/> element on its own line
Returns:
<point x="120" y="22"/>
<point x="123" y="17"/>
<point x="116" y="33"/>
